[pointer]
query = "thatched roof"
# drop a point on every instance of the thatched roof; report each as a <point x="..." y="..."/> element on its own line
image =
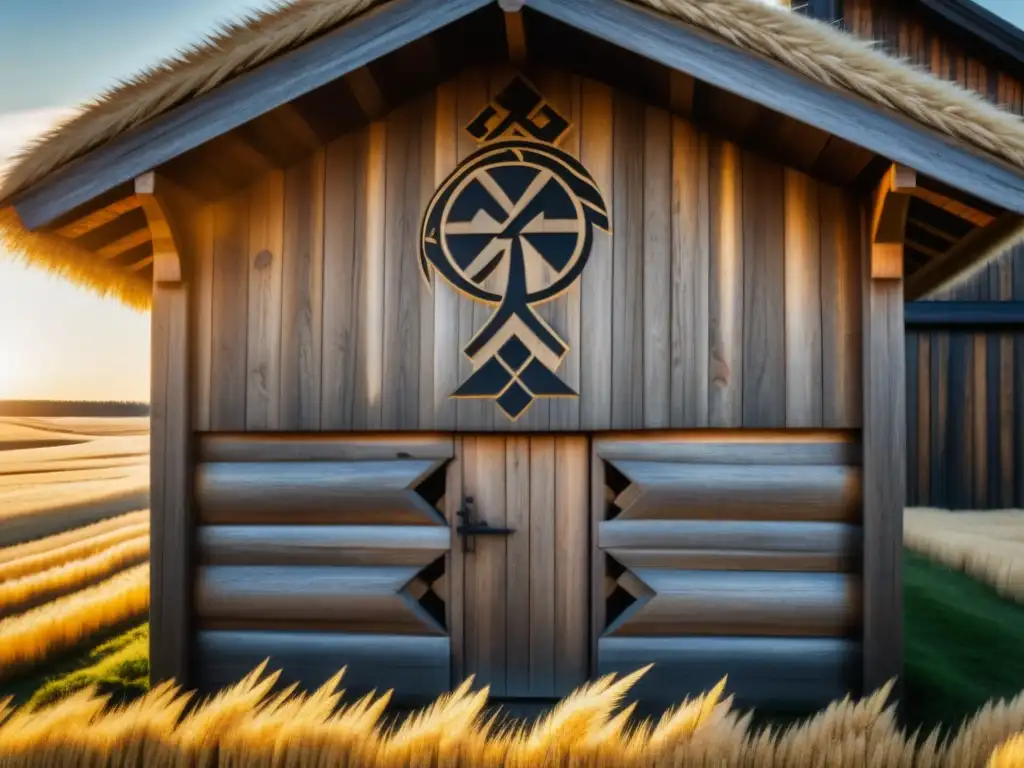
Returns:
<point x="816" y="50"/>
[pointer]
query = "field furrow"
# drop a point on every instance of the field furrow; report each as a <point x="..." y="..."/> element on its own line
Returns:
<point x="52" y="544"/>
<point x="21" y="594"/>
<point x="58" y="626"/>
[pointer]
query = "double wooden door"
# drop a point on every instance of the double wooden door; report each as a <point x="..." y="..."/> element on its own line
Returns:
<point x="519" y="613"/>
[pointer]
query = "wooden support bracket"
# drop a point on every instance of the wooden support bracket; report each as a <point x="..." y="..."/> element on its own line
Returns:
<point x="889" y="222"/>
<point x="515" y="31"/>
<point x="162" y="202"/>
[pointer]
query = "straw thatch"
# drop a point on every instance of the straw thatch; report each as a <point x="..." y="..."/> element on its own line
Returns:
<point x="816" y="50"/>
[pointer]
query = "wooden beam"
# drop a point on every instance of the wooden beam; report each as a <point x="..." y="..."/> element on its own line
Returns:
<point x="884" y="445"/>
<point x="97" y="219"/>
<point x="124" y="244"/>
<point x="372" y="35"/>
<point x="141" y="264"/>
<point x="163" y="203"/>
<point x="998" y="316"/>
<point x="980" y="243"/>
<point x="890" y="206"/>
<point x="364" y="88"/>
<point x="172" y="528"/>
<point x="773" y="85"/>
<point x="515" y="30"/>
<point x="957" y="208"/>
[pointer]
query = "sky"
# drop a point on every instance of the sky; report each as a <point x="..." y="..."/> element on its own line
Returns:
<point x="58" y="341"/>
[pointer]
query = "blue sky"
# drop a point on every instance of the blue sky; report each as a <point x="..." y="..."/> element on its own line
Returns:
<point x="57" y="341"/>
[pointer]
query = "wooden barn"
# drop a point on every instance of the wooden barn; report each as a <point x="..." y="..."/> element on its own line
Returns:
<point x="526" y="340"/>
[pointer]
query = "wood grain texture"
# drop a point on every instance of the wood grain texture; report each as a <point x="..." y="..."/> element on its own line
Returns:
<point x="543" y="553"/>
<point x="362" y="599"/>
<point x="519" y="565"/>
<point x="266" y="249"/>
<point x="725" y="306"/>
<point x="764" y="294"/>
<point x="302" y="333"/>
<point x="358" y="493"/>
<point x="171" y="549"/>
<point x="571" y="559"/>
<point x="800" y="672"/>
<point x="389" y="545"/>
<point x="597" y="154"/>
<point x="737" y="447"/>
<point x="230" y="313"/>
<point x="739" y="492"/>
<point x="690" y="289"/>
<point x="803" y="301"/>
<point x="416" y="668"/>
<point x="201" y="316"/>
<point x="884" y="479"/>
<point x="313" y="447"/>
<point x="742" y="603"/>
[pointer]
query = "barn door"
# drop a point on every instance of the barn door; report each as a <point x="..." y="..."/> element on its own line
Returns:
<point x="521" y="625"/>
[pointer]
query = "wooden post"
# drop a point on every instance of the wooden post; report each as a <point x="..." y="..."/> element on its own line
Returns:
<point x="884" y="444"/>
<point x="171" y="530"/>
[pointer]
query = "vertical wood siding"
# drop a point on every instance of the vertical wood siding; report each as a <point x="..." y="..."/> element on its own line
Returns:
<point x="727" y="296"/>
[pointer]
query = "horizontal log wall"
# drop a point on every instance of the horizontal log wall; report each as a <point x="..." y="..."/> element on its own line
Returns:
<point x="731" y="553"/>
<point x="727" y="296"/>
<point x="320" y="553"/>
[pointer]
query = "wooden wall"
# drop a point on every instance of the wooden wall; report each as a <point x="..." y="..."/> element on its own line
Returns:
<point x="738" y="554"/>
<point x="965" y="402"/>
<point x="728" y="295"/>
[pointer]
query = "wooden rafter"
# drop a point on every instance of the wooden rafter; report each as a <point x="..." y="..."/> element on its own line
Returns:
<point x="889" y="221"/>
<point x="367" y="92"/>
<point x="98" y="218"/>
<point x="124" y="244"/>
<point x="956" y="207"/>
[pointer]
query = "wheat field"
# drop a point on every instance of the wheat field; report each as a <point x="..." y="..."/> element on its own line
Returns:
<point x="988" y="546"/>
<point x="252" y="725"/>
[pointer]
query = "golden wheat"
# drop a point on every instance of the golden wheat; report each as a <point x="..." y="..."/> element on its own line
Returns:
<point x="44" y="561"/>
<point x="52" y="544"/>
<point x="62" y="624"/>
<point x="988" y="546"/>
<point x="251" y="725"/>
<point x="19" y="594"/>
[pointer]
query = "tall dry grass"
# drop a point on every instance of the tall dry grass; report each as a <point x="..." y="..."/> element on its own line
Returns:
<point x="251" y="725"/>
<point x="58" y="626"/>
<point x="988" y="546"/>
<point x="54" y="545"/>
<point x="19" y="594"/>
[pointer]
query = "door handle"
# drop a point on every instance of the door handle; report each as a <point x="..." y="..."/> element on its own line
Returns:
<point x="469" y="528"/>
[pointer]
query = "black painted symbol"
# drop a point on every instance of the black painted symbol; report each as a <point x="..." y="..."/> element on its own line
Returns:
<point x="512" y="227"/>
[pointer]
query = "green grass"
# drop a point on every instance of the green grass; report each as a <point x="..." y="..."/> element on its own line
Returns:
<point x="964" y="644"/>
<point x="118" y="666"/>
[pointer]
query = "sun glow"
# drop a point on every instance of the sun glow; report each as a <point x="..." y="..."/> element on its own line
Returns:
<point x="12" y="363"/>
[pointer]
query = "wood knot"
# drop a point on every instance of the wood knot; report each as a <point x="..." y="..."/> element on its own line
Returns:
<point x="263" y="259"/>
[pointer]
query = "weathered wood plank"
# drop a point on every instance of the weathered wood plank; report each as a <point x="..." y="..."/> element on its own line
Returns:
<point x="803" y="301"/>
<point x="740" y="447"/>
<point x="571" y="560"/>
<point x="840" y="310"/>
<point x="596" y="153"/>
<point x="627" y="287"/>
<point x="884" y="479"/>
<point x="296" y="492"/>
<point x="742" y="603"/>
<point x="321" y="544"/>
<point x="455" y="564"/>
<point x="787" y="537"/>
<point x="518" y="619"/>
<point x="764" y="294"/>
<point x="415" y="668"/>
<point x="423" y="296"/>
<point x="266" y="247"/>
<point x="799" y="672"/>
<point x="367" y="599"/>
<point x="342" y="167"/>
<point x="485" y="628"/>
<point x="314" y="447"/>
<point x="656" y="295"/>
<point x="691" y="246"/>
<point x="369" y="249"/>
<point x="749" y="492"/>
<point x="229" y="313"/>
<point x="201" y="316"/>
<point x="543" y="554"/>
<point x="302" y="333"/>
<point x="725" y="322"/>
<point x="598" y="561"/>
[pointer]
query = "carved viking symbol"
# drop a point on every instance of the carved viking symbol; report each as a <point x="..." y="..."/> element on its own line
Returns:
<point x="512" y="227"/>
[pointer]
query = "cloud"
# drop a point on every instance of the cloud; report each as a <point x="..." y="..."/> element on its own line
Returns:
<point x="19" y="128"/>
